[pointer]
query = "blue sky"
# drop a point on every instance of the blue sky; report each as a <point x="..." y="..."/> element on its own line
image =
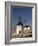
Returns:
<point x="25" y="14"/>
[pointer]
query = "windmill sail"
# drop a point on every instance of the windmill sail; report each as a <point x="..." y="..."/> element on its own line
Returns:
<point x="19" y="18"/>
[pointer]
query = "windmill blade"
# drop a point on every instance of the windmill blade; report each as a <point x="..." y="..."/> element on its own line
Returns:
<point x="25" y="20"/>
<point x="19" y="18"/>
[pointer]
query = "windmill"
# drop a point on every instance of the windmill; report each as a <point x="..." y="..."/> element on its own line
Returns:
<point x="19" y="26"/>
<point x="26" y="26"/>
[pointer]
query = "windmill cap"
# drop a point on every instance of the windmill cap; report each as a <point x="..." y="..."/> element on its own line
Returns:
<point x="27" y="25"/>
<point x="20" y="23"/>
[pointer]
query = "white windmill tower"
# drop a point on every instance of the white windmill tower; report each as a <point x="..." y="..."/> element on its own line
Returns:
<point x="26" y="28"/>
<point x="19" y="26"/>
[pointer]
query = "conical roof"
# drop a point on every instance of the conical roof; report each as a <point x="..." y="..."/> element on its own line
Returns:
<point x="20" y="23"/>
<point x="27" y="26"/>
